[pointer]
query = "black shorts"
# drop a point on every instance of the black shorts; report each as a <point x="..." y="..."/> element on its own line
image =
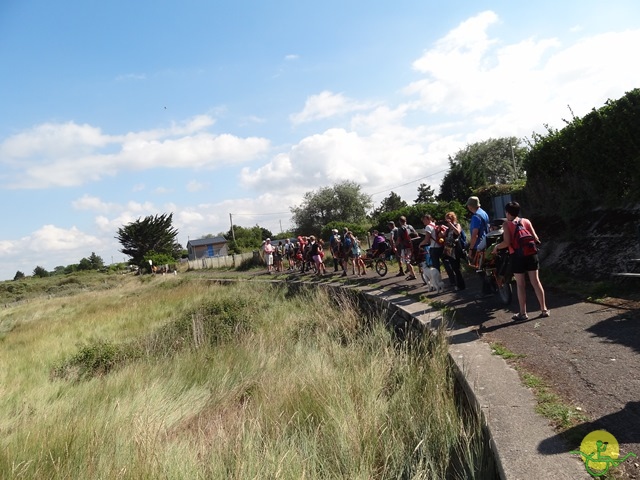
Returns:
<point x="520" y="264"/>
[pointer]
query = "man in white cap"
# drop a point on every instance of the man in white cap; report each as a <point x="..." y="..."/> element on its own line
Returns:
<point x="334" y="245"/>
<point x="268" y="255"/>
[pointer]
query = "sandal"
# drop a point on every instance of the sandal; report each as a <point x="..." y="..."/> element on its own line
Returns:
<point x="411" y="277"/>
<point x="545" y="313"/>
<point x="520" y="317"/>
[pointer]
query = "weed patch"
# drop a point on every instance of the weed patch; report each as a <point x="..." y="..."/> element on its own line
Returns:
<point x="502" y="351"/>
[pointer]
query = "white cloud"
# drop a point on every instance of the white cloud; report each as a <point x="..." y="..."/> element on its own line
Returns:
<point x="95" y="204"/>
<point x="195" y="186"/>
<point x="68" y="154"/>
<point x="472" y="86"/>
<point x="50" y="238"/>
<point x="327" y="104"/>
<point x="515" y="89"/>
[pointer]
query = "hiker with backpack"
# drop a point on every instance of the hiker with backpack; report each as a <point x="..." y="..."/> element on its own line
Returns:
<point x="479" y="226"/>
<point x="405" y="233"/>
<point x="521" y="239"/>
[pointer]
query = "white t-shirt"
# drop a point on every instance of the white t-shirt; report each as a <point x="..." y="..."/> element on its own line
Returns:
<point x="431" y="231"/>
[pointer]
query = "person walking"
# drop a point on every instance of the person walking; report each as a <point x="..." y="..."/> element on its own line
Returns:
<point x="315" y="249"/>
<point x="289" y="252"/>
<point x="479" y="225"/>
<point x="395" y="248"/>
<point x="406" y="247"/>
<point x="268" y="254"/>
<point x="357" y="255"/>
<point x="453" y="251"/>
<point x="334" y="246"/>
<point x="522" y="261"/>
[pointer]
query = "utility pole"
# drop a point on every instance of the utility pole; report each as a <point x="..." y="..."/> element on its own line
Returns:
<point x="513" y="159"/>
<point x="233" y="235"/>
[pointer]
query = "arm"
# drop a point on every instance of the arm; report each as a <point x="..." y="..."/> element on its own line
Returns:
<point x="427" y="238"/>
<point x="455" y="227"/>
<point x="474" y="237"/>
<point x="533" y="232"/>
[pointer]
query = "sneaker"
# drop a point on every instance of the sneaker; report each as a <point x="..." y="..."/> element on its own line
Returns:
<point x="400" y="274"/>
<point x="520" y="317"/>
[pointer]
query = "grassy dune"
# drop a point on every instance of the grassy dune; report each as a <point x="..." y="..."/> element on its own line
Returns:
<point x="113" y="383"/>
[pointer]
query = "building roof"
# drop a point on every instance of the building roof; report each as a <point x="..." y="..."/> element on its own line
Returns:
<point x="206" y="241"/>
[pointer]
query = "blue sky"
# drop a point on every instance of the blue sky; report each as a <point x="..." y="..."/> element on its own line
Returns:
<point x="112" y="111"/>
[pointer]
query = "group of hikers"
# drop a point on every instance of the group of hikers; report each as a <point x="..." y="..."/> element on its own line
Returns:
<point x="444" y="243"/>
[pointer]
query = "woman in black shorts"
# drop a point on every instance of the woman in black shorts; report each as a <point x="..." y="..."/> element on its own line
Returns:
<point x="522" y="262"/>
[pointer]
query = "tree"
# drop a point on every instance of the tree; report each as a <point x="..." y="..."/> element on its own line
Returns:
<point x="84" y="264"/>
<point x="18" y="275"/>
<point x="343" y="202"/>
<point x="152" y="234"/>
<point x="40" y="272"/>
<point x="493" y="161"/>
<point x="96" y="261"/>
<point x="389" y="204"/>
<point x="246" y="239"/>
<point x="426" y="194"/>
<point x="59" y="270"/>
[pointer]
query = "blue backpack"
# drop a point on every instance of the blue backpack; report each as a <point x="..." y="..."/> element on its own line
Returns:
<point x="463" y="240"/>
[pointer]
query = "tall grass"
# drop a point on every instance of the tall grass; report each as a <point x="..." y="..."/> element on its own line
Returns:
<point x="281" y="384"/>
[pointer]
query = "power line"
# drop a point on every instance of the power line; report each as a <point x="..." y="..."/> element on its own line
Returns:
<point x="409" y="183"/>
<point x="257" y="214"/>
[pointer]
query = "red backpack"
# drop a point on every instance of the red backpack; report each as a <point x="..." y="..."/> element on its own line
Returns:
<point x="523" y="242"/>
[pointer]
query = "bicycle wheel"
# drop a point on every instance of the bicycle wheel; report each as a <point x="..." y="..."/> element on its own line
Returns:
<point x="490" y="280"/>
<point x="381" y="267"/>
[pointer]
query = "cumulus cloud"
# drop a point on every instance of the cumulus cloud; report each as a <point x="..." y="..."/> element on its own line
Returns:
<point x="474" y="86"/>
<point x="50" y="238"/>
<point x="69" y="154"/>
<point x="94" y="204"/>
<point x="471" y="86"/>
<point x="518" y="87"/>
<point x="327" y="104"/>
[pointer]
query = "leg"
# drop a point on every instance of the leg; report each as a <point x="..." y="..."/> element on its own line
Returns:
<point x="436" y="255"/>
<point x="537" y="287"/>
<point x="522" y="292"/>
<point x="448" y="266"/>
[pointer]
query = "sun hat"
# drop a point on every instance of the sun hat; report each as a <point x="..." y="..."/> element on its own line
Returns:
<point x="473" y="202"/>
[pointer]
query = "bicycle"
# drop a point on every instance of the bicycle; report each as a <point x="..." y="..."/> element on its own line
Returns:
<point x="495" y="268"/>
<point x="377" y="260"/>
